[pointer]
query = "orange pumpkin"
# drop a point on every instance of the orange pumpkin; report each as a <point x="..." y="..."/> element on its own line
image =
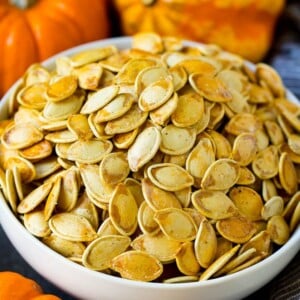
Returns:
<point x="14" y="286"/>
<point x="32" y="30"/>
<point x="245" y="27"/>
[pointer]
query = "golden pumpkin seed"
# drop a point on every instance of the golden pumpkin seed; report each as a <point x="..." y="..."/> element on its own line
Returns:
<point x="148" y="41"/>
<point x="236" y="229"/>
<point x="294" y="143"/>
<point x="158" y="198"/>
<point x="179" y="77"/>
<point x="156" y="94"/>
<point x="162" y="114"/>
<point x="265" y="164"/>
<point x="176" y="224"/>
<point x="64" y="247"/>
<point x="221" y="175"/>
<point x="63" y="136"/>
<point x="291" y="205"/>
<point x="33" y="96"/>
<point x="97" y="128"/>
<point x="84" y="207"/>
<point x="205" y="244"/>
<point x="21" y="136"/>
<point x="278" y="229"/>
<point x="3" y="185"/>
<point x="11" y="190"/>
<point x="137" y="265"/>
<point x="273" y="207"/>
<point x="36" y="224"/>
<point x="176" y="140"/>
<point x="72" y="227"/>
<point x="100" y="252"/>
<point x="144" y="148"/>
<point x="269" y="75"/>
<point x="33" y="199"/>
<point x="18" y="183"/>
<point x="268" y="189"/>
<point x="115" y="108"/>
<point x="131" y="120"/>
<point x="169" y="177"/>
<point x="274" y="131"/>
<point x="201" y="65"/>
<point x="61" y="88"/>
<point x="186" y="260"/>
<point x="184" y="196"/>
<point x="219" y="263"/>
<point x="123" y="210"/>
<point x="52" y="199"/>
<point x="237" y="261"/>
<point x="114" y="168"/>
<point x="223" y="245"/>
<point x="248" y="202"/>
<point x="211" y="88"/>
<point x="215" y="205"/>
<point x="246" y="177"/>
<point x="181" y="279"/>
<point x="69" y="191"/>
<point x="132" y="68"/>
<point x="146" y="220"/>
<point x="92" y="182"/>
<point x="36" y="74"/>
<point x="89" y="152"/>
<point x="247" y="264"/>
<point x="189" y="110"/>
<point x="58" y="111"/>
<point x="292" y="155"/>
<point x="54" y="126"/>
<point x="148" y="76"/>
<point x="115" y="62"/>
<point x="223" y="147"/>
<point x="136" y="189"/>
<point x="89" y="76"/>
<point x="92" y="55"/>
<point x="295" y="219"/>
<point x="79" y="126"/>
<point x="287" y="174"/>
<point x="244" y="148"/>
<point x="99" y="99"/>
<point x="158" y="245"/>
<point x="243" y="122"/>
<point x="37" y="151"/>
<point x="261" y="242"/>
<point x="107" y="228"/>
<point x="199" y="159"/>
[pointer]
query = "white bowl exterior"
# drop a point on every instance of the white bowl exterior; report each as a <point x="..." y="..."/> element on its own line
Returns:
<point x="83" y="283"/>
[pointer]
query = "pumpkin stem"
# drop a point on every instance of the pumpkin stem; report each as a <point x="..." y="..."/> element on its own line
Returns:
<point x="148" y="2"/>
<point x="22" y="4"/>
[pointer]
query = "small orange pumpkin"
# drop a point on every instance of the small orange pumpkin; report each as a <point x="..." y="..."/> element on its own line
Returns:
<point x="14" y="286"/>
<point x="245" y="27"/>
<point x="32" y="30"/>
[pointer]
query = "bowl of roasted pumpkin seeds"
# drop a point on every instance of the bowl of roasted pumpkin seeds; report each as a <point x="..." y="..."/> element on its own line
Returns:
<point x="150" y="167"/>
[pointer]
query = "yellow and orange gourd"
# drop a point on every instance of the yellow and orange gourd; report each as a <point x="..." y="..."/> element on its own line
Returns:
<point x="14" y="286"/>
<point x="244" y="27"/>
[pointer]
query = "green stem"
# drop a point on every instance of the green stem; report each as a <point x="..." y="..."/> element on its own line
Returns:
<point x="22" y="4"/>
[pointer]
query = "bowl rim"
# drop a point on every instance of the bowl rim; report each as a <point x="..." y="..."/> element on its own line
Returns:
<point x="123" y="42"/>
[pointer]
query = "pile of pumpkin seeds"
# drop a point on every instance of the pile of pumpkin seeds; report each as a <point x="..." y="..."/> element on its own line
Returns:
<point x="164" y="162"/>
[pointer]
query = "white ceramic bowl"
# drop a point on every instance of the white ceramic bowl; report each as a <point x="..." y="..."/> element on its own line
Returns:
<point x="86" y="284"/>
